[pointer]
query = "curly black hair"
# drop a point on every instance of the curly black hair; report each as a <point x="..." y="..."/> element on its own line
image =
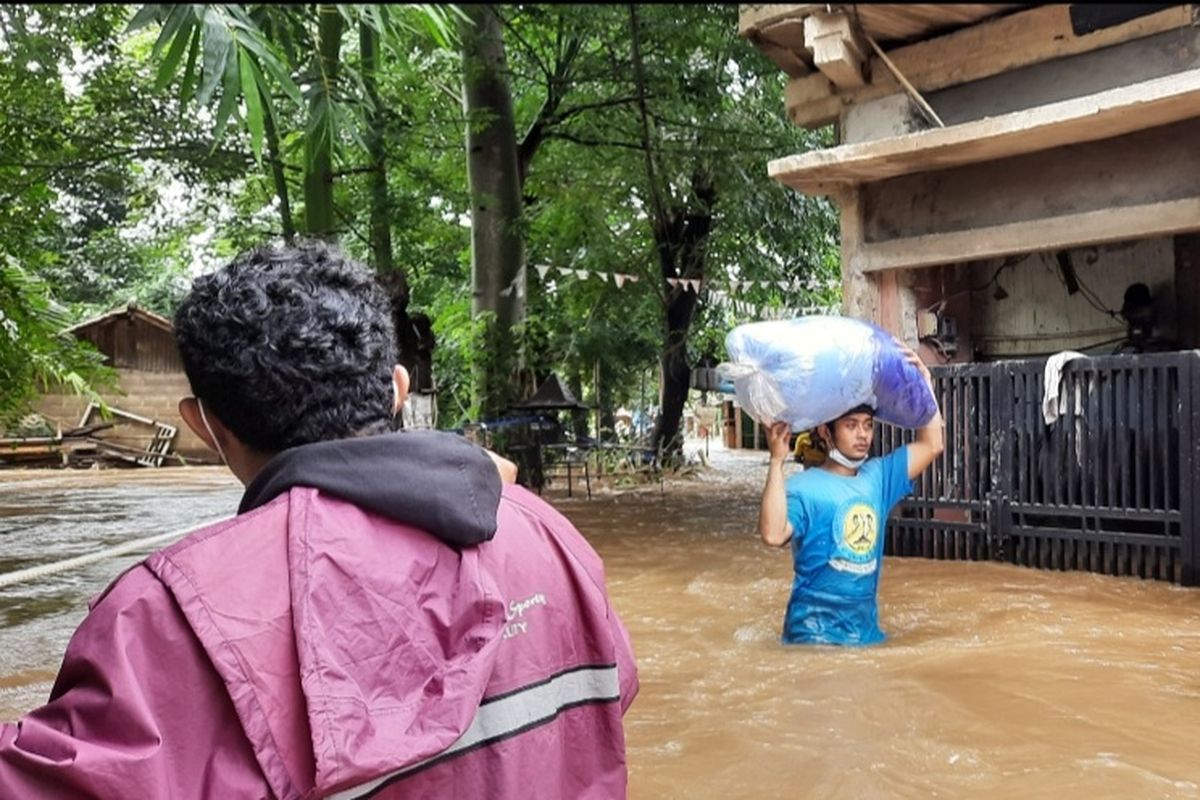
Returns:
<point x="290" y="345"/>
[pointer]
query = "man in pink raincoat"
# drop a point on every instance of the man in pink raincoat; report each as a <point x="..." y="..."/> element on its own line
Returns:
<point x="383" y="618"/>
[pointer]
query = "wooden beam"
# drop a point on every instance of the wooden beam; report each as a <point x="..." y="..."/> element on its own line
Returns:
<point x="812" y="93"/>
<point x="1081" y="119"/>
<point x="783" y="43"/>
<point x="784" y="58"/>
<point x="989" y="48"/>
<point x="752" y="17"/>
<point x="1116" y="224"/>
<point x="838" y="50"/>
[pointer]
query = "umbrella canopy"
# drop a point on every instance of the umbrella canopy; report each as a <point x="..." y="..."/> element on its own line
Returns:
<point x="551" y="396"/>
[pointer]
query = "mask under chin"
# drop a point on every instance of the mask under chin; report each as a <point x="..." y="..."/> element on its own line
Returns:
<point x="848" y="463"/>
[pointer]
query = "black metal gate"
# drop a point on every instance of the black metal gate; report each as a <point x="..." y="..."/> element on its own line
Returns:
<point x="1110" y="486"/>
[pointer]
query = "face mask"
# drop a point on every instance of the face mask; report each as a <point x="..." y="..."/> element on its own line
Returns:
<point x="848" y="463"/>
<point x="204" y="419"/>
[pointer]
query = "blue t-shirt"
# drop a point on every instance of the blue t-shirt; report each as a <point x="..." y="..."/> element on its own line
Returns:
<point x="838" y="525"/>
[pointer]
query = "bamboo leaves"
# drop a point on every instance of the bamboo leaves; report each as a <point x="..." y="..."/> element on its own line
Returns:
<point x="226" y="50"/>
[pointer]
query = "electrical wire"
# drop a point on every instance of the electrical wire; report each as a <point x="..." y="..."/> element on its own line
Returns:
<point x="1089" y="295"/>
<point x="1080" y="348"/>
<point x="1010" y="261"/>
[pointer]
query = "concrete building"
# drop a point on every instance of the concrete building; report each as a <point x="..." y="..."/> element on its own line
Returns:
<point x="1015" y="181"/>
<point x="1004" y="172"/>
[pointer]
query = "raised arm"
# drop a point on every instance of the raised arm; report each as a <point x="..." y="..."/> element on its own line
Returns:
<point x="931" y="440"/>
<point x="773" y="525"/>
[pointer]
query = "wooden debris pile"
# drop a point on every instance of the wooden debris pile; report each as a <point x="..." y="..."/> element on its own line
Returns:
<point x="124" y="440"/>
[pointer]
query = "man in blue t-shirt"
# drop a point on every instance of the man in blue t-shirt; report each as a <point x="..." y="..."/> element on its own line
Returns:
<point x="834" y="516"/>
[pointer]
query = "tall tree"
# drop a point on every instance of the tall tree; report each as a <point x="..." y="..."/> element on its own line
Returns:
<point x="493" y="174"/>
<point x="375" y="116"/>
<point x="332" y="104"/>
<point x="681" y="227"/>
<point x="665" y="175"/>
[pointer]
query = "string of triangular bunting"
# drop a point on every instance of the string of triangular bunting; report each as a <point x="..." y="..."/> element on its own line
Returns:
<point x="722" y="299"/>
<point x="617" y="278"/>
<point x="716" y="296"/>
<point x="696" y="284"/>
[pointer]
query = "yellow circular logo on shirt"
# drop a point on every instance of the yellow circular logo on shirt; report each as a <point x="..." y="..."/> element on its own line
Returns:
<point x="860" y="529"/>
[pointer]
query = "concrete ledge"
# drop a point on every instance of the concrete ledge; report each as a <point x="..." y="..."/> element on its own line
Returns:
<point x="1050" y="233"/>
<point x="1102" y="115"/>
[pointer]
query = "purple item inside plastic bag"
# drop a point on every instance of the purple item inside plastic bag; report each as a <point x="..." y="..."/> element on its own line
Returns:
<point x="902" y="396"/>
<point x="811" y="370"/>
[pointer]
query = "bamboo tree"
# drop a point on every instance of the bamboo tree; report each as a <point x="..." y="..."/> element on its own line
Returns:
<point x="320" y="139"/>
<point x="381" y="228"/>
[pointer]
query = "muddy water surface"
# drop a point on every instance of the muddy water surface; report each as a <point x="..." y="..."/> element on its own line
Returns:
<point x="996" y="682"/>
<point x="50" y="515"/>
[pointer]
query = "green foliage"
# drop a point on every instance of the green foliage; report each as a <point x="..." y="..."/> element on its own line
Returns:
<point x="72" y="124"/>
<point x="715" y="109"/>
<point x="253" y="53"/>
<point x="35" y="353"/>
<point x="212" y="104"/>
<point x="461" y="352"/>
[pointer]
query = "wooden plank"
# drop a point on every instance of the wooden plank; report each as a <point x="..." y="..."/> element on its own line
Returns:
<point x="1142" y="167"/>
<point x="754" y="16"/>
<point x="789" y="34"/>
<point x="885" y="21"/>
<point x="1102" y="115"/>
<point x="971" y="54"/>
<point x="1049" y="233"/>
<point x="785" y="59"/>
<point x="783" y="43"/>
<point x="838" y="49"/>
<point x="899" y="21"/>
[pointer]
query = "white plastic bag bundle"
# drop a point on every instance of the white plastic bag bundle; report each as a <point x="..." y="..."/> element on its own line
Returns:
<point x="811" y="370"/>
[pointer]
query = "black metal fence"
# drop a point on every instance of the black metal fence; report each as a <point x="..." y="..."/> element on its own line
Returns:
<point x="1110" y="486"/>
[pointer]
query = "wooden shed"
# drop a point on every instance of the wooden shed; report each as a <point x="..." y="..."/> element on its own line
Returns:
<point x="1004" y="173"/>
<point x="140" y="345"/>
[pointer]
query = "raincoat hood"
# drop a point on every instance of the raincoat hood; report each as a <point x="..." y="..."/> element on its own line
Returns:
<point x="354" y="642"/>
<point x="434" y="481"/>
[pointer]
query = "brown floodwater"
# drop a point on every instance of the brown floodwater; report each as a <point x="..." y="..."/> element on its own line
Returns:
<point x="996" y="681"/>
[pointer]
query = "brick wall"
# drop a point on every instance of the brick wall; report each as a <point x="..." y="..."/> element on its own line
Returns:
<point x="149" y="394"/>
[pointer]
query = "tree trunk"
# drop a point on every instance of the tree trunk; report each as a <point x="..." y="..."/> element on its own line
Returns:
<point x="414" y="334"/>
<point x="493" y="174"/>
<point x="681" y="238"/>
<point x="579" y="417"/>
<point x="318" y="149"/>
<point x="675" y="373"/>
<point x="682" y="247"/>
<point x="278" y="175"/>
<point x="381" y="229"/>
<point x="279" y="178"/>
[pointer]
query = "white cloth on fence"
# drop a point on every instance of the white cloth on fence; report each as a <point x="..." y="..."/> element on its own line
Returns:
<point x="1052" y="403"/>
